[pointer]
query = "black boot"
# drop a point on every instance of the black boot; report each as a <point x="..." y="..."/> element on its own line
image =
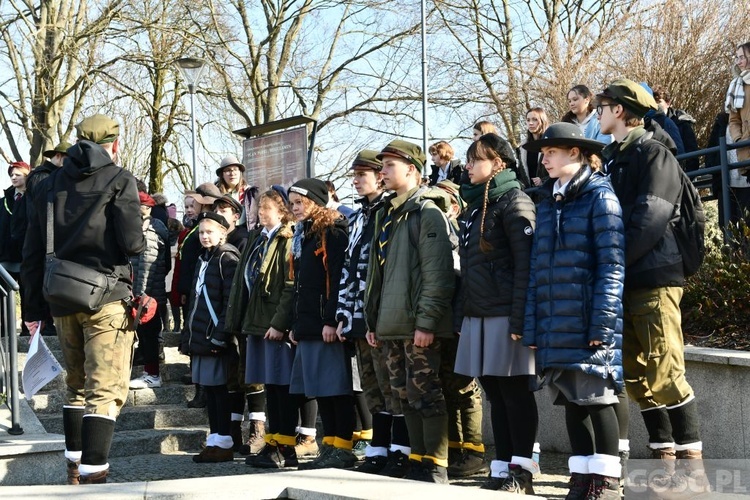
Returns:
<point x="199" y="401"/>
<point x="519" y="481"/>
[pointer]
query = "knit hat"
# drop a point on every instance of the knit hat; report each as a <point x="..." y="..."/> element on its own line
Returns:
<point x="205" y="194"/>
<point x="20" y="165"/>
<point x="229" y="200"/>
<point x="367" y="158"/>
<point x="229" y="161"/>
<point x="405" y="150"/>
<point x="214" y="217"/>
<point x="630" y="95"/>
<point x="282" y="192"/>
<point x="563" y="134"/>
<point x="145" y="199"/>
<point x="100" y="129"/>
<point x="60" y="148"/>
<point x="315" y="189"/>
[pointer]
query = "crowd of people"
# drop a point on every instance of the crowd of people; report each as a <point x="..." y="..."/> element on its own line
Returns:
<point x="386" y="320"/>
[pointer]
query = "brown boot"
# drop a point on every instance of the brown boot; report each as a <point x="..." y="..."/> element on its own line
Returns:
<point x="661" y="481"/>
<point x="95" y="478"/>
<point x="691" y="472"/>
<point x="73" y="474"/>
<point x="256" y="439"/>
<point x="213" y="454"/>
<point x="306" y="446"/>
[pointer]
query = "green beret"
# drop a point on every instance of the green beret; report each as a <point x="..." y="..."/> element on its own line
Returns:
<point x="368" y="158"/>
<point x="631" y="95"/>
<point x="100" y="129"/>
<point x="405" y="150"/>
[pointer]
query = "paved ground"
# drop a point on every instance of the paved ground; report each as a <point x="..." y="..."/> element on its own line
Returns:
<point x="551" y="483"/>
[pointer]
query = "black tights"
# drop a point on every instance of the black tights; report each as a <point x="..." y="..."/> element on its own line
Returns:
<point x="514" y="415"/>
<point x="592" y="429"/>
<point x="219" y="409"/>
<point x="337" y="415"/>
<point x="282" y="409"/>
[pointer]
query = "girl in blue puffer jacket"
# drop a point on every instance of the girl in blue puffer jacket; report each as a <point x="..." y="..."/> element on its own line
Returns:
<point x="574" y="304"/>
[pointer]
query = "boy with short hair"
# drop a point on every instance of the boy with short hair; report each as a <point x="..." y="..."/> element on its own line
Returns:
<point x="408" y="304"/>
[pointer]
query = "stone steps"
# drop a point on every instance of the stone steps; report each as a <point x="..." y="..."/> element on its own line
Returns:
<point x="157" y="441"/>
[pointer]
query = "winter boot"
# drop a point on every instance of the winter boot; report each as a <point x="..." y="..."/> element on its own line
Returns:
<point x="73" y="474"/>
<point x="255" y="440"/>
<point x="200" y="399"/>
<point x="519" y="481"/>
<point x="604" y="488"/>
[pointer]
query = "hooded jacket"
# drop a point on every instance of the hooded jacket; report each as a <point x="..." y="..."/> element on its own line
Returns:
<point x="351" y="302"/>
<point x="646" y="179"/>
<point x="415" y="286"/>
<point x="269" y="303"/>
<point x="10" y="235"/>
<point x="95" y="224"/>
<point x="576" y="281"/>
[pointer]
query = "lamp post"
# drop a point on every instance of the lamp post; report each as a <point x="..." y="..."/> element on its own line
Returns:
<point x="191" y="70"/>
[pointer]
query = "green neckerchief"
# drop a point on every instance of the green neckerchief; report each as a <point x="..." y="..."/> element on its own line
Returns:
<point x="504" y="181"/>
<point x="632" y="136"/>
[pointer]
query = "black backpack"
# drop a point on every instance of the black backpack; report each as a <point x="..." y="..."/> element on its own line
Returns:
<point x="689" y="227"/>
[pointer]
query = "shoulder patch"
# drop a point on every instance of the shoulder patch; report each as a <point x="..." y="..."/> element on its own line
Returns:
<point x="528" y="231"/>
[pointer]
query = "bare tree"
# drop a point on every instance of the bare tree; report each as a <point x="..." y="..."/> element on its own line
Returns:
<point x="51" y="52"/>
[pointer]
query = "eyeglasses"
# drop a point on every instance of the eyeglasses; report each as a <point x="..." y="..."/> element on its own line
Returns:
<point x="740" y="58"/>
<point x="600" y="107"/>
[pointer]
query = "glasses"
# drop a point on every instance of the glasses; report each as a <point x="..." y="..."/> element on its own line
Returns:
<point x="740" y="58"/>
<point x="600" y="107"/>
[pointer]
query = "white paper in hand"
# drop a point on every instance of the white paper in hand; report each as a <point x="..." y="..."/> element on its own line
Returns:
<point x="41" y="367"/>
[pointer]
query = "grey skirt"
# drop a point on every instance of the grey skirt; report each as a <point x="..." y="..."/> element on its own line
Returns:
<point x="485" y="348"/>
<point x="268" y="361"/>
<point x="580" y="388"/>
<point x="321" y="369"/>
<point x="210" y="370"/>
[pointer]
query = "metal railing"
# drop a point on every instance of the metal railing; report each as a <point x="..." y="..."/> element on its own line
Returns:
<point x="9" y="349"/>
<point x="724" y="167"/>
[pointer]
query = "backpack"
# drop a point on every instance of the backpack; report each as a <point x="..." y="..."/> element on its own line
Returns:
<point x="414" y="221"/>
<point x="689" y="228"/>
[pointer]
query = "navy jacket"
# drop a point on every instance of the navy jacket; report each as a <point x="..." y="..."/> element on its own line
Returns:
<point x="576" y="283"/>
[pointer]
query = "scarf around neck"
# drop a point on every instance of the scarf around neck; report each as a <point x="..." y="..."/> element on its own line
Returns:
<point x="501" y="183"/>
<point x="736" y="92"/>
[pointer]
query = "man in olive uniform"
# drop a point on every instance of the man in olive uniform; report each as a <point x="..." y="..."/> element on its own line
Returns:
<point x="95" y="224"/>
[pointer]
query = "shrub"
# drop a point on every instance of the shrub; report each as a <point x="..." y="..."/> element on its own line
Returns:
<point x="716" y="303"/>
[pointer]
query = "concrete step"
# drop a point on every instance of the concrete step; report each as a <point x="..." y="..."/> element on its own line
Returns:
<point x="156" y="441"/>
<point x="168" y="394"/>
<point x="142" y="417"/>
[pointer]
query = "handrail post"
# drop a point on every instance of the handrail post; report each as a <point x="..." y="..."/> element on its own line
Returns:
<point x="10" y="302"/>
<point x="725" y="201"/>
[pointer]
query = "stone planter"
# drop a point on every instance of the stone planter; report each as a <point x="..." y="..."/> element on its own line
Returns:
<point x="721" y="380"/>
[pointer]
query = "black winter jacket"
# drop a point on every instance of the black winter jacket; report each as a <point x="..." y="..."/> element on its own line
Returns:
<point x="151" y="267"/>
<point x="11" y="213"/>
<point x="316" y="283"/>
<point x="455" y="173"/>
<point x="95" y="223"/>
<point x="494" y="283"/>
<point x="202" y="335"/>
<point x="646" y="179"/>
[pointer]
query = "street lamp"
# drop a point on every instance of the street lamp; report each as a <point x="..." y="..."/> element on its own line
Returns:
<point x="191" y="70"/>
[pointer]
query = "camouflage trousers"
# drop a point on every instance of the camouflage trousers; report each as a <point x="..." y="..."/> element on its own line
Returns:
<point x="463" y="399"/>
<point x="98" y="353"/>
<point x="374" y="379"/>
<point x="414" y="374"/>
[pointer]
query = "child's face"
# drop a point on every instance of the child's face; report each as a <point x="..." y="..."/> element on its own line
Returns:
<point x="17" y="178"/>
<point x="561" y="163"/>
<point x="190" y="207"/>
<point x="533" y="123"/>
<point x="577" y="103"/>
<point x="210" y="233"/>
<point x="269" y="214"/>
<point x="396" y="172"/>
<point x="480" y="170"/>
<point x="231" y="176"/>
<point x="301" y="206"/>
<point x="230" y="215"/>
<point x="365" y="181"/>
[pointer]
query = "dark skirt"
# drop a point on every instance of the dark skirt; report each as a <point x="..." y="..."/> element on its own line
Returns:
<point x="210" y="370"/>
<point x="268" y="361"/>
<point x="580" y="388"/>
<point x="321" y="369"/>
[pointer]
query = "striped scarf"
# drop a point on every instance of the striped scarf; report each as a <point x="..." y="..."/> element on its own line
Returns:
<point x="736" y="92"/>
